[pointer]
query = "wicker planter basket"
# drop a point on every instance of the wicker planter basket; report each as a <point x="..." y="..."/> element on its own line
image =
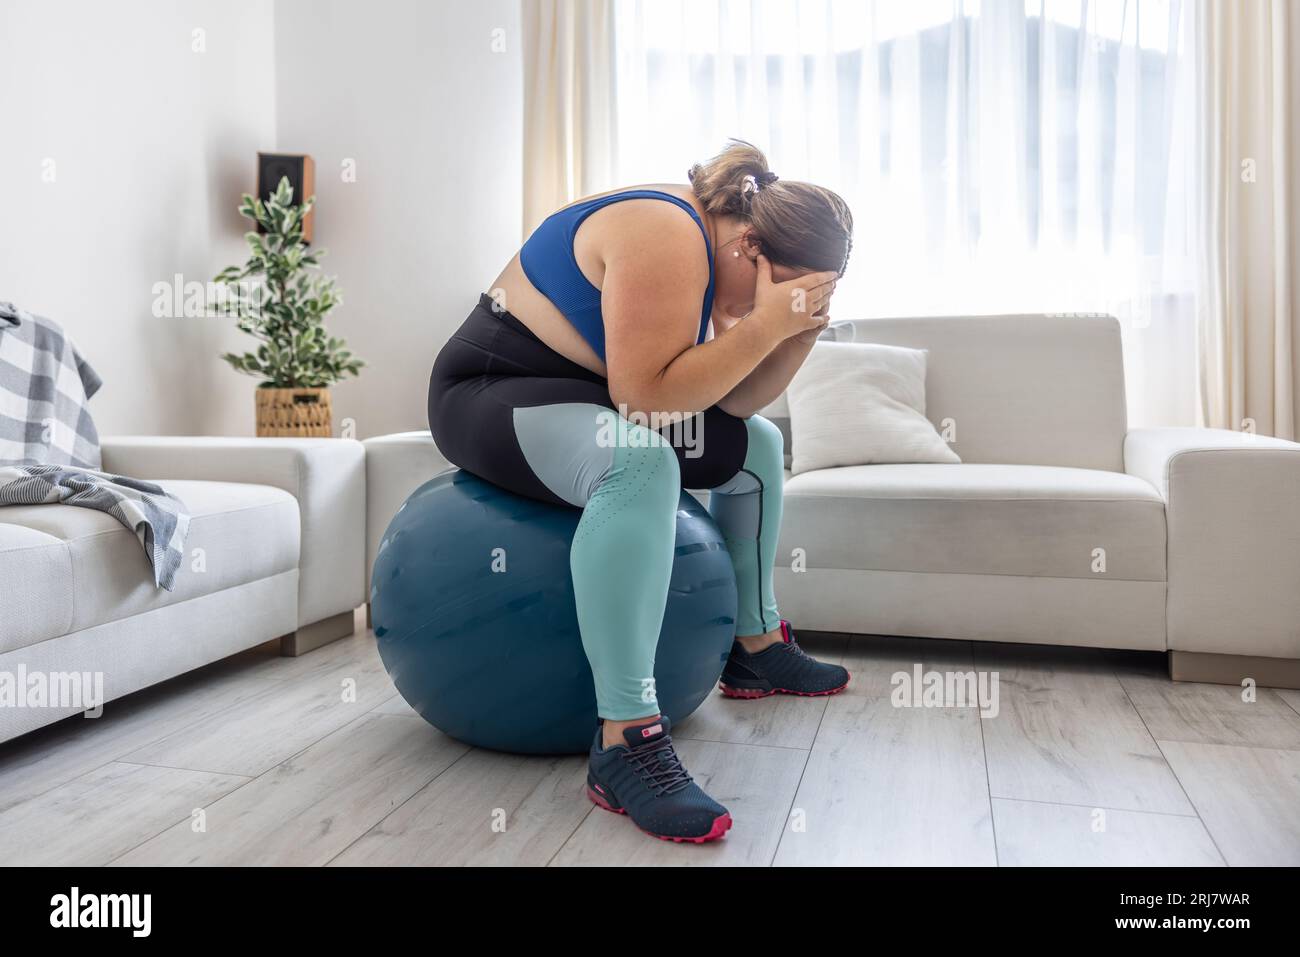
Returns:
<point x="302" y="413"/>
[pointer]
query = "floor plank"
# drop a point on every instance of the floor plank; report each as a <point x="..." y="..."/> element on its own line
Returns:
<point x="105" y="812"/>
<point x="1292" y="698"/>
<point x="259" y="733"/>
<point x="397" y="705"/>
<point x="305" y="811"/>
<point x="486" y="809"/>
<point x="1066" y="733"/>
<point x="755" y="784"/>
<point x="1213" y="714"/>
<point x="791" y="721"/>
<point x="357" y="648"/>
<point x="1032" y="834"/>
<point x="55" y="755"/>
<point x="781" y="721"/>
<point x="874" y="660"/>
<point x="886" y="785"/>
<point x="1249" y="799"/>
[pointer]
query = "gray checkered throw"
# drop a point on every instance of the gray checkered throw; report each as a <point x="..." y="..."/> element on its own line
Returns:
<point x="49" y="449"/>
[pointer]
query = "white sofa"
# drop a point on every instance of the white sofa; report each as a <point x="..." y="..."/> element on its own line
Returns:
<point x="1061" y="526"/>
<point x="275" y="550"/>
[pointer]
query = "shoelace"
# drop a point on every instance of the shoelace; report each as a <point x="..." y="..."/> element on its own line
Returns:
<point x="659" y="766"/>
<point x="792" y="647"/>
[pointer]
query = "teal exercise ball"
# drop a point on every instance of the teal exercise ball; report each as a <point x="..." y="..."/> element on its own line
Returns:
<point x="473" y="609"/>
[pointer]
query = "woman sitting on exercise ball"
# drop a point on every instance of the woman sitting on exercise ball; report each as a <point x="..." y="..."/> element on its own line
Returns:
<point x="609" y="306"/>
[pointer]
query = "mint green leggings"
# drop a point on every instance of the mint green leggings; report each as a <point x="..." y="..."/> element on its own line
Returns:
<point x="627" y="479"/>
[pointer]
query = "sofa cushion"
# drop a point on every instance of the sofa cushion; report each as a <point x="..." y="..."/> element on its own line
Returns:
<point x="1032" y="520"/>
<point x="36" y="574"/>
<point x="238" y="533"/>
<point x="859" y="403"/>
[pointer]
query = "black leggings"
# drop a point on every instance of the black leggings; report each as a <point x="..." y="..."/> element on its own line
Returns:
<point x="494" y="365"/>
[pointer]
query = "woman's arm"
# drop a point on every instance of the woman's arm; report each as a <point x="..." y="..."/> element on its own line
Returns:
<point x="650" y="298"/>
<point x="772" y="376"/>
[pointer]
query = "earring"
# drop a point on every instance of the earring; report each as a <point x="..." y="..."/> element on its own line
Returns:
<point x="735" y="253"/>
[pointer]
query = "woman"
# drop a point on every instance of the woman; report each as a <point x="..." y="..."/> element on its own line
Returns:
<point x="600" y="324"/>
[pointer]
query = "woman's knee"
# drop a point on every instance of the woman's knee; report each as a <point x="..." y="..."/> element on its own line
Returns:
<point x="634" y="502"/>
<point x="766" y="446"/>
<point x="647" y="465"/>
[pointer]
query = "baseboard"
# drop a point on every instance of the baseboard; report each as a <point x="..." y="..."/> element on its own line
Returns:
<point x="310" y="637"/>
<point x="1234" y="669"/>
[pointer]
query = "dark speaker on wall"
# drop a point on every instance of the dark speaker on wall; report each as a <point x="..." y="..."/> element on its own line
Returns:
<point x="301" y="170"/>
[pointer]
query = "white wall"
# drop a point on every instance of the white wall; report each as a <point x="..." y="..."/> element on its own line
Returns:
<point x="412" y="91"/>
<point x="152" y="143"/>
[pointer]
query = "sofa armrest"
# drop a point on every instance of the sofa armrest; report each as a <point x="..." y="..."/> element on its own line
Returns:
<point x="326" y="476"/>
<point x="396" y="465"/>
<point x="1232" y="507"/>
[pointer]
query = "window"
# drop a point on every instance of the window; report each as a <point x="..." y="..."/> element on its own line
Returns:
<point x="999" y="156"/>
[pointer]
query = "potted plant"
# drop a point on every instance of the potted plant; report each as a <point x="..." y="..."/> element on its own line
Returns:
<point x="277" y="297"/>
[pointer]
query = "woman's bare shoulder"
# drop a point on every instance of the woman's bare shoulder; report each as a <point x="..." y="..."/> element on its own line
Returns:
<point x="680" y="190"/>
<point x="646" y="227"/>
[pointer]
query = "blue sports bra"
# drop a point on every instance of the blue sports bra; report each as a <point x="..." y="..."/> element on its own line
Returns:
<point x="548" y="262"/>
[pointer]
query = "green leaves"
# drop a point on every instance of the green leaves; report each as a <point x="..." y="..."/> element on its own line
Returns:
<point x="282" y="302"/>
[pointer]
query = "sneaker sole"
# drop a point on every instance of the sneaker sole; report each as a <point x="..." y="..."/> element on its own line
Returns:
<point x="720" y="824"/>
<point x="749" y="694"/>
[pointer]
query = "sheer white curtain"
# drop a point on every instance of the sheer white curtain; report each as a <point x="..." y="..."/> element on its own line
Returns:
<point x="999" y="155"/>
<point x="1250" y="313"/>
<point x="568" y="112"/>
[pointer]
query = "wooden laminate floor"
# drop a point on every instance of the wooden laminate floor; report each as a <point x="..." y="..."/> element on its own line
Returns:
<point x="1092" y="758"/>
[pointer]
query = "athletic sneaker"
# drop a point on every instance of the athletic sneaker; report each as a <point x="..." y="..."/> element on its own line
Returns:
<point x="781" y="668"/>
<point x="645" y="780"/>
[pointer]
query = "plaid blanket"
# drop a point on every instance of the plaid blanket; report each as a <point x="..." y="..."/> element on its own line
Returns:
<point x="44" y="387"/>
<point x="49" y="449"/>
<point x="157" y="517"/>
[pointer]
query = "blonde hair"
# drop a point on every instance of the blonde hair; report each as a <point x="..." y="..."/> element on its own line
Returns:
<point x="798" y="224"/>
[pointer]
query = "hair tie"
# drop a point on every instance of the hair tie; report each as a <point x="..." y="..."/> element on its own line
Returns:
<point x="751" y="185"/>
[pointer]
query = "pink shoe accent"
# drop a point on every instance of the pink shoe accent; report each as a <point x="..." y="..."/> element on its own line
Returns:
<point x="600" y="801"/>
<point x="720" y="825"/>
<point x="749" y="694"/>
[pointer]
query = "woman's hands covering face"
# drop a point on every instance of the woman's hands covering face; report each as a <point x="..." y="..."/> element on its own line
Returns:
<point x="797" y="307"/>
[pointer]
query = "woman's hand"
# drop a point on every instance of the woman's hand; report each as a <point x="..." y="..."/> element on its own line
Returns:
<point x="794" y="307"/>
<point x="809" y="336"/>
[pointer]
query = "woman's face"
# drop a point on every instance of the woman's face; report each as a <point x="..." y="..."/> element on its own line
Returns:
<point x="735" y="277"/>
